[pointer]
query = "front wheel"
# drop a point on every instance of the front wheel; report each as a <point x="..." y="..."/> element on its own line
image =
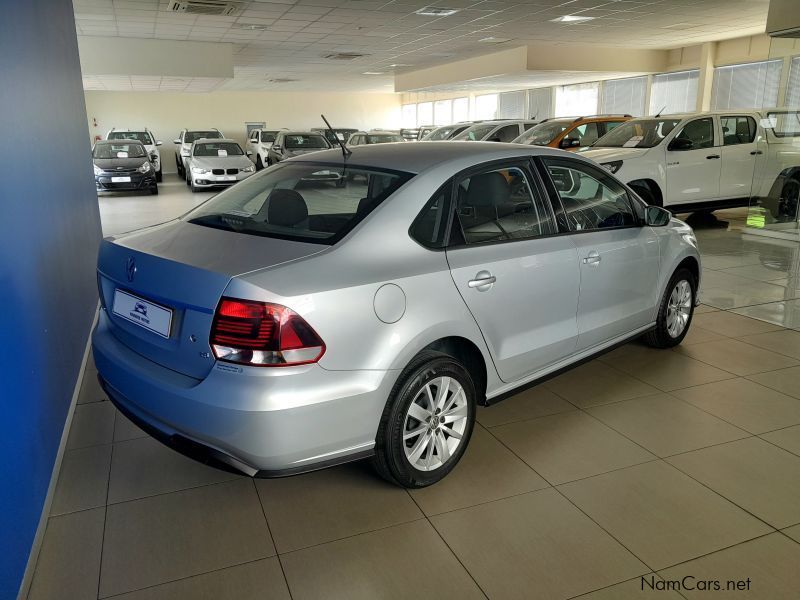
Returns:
<point x="427" y="422"/>
<point x="675" y="312"/>
<point x="159" y="176"/>
<point x="259" y="164"/>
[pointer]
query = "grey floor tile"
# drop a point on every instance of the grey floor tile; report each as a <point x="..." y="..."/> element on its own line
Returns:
<point x="83" y="480"/>
<point x="751" y="473"/>
<point x="163" y="538"/>
<point x="662" y="515"/>
<point x="787" y="438"/>
<point x="397" y="563"/>
<point x="744" y="403"/>
<point x="726" y="261"/>
<point x="783" y="313"/>
<point x="326" y="505"/>
<point x="570" y="446"/>
<point x="531" y="403"/>
<point x="754" y="292"/>
<point x="597" y="382"/>
<point x="769" y="563"/>
<point x="793" y="532"/>
<point x="537" y="541"/>
<point x="92" y="425"/>
<point x="646" y="587"/>
<point x="784" y="380"/>
<point x="758" y="272"/>
<point x="124" y="429"/>
<point x="90" y="389"/>
<point x="737" y="357"/>
<point x="146" y="467"/>
<point x="258" y="580"/>
<point x="783" y="341"/>
<point x="488" y="471"/>
<point x="666" y="425"/>
<point x="69" y="561"/>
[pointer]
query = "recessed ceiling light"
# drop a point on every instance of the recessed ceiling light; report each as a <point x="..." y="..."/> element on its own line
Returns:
<point x="252" y="27"/>
<point x="571" y="19"/>
<point x="395" y="65"/>
<point x="434" y="11"/>
<point x="494" y="40"/>
<point x="372" y="73"/>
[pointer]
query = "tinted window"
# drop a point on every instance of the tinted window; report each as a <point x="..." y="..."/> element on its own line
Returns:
<point x="738" y="130"/>
<point x="382" y="138"/>
<point x="640" y="133"/>
<point x="505" y="134"/>
<point x="475" y="133"/>
<point x="501" y="204"/>
<point x="612" y="125"/>
<point x="309" y="202"/>
<point x="132" y="150"/>
<point x="214" y="149"/>
<point x="543" y="133"/>
<point x="699" y="132"/>
<point x="591" y="199"/>
<point x="429" y="228"/>
<point x="586" y="134"/>
<point x="267" y="136"/>
<point x="140" y="136"/>
<point x="198" y="135"/>
<point x="300" y="141"/>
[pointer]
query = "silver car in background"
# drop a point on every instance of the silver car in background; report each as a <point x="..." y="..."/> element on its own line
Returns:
<point x="217" y="163"/>
<point x="286" y="325"/>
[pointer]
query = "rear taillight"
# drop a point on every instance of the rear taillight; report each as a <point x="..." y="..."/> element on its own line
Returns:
<point x="263" y="334"/>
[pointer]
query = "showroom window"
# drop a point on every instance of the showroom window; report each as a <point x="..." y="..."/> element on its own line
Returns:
<point x="624" y="96"/>
<point x="424" y="114"/>
<point x="540" y="104"/>
<point x="577" y="100"/>
<point x="408" y="116"/>
<point x="442" y="112"/>
<point x="460" y="110"/>
<point x="752" y="85"/>
<point x="486" y="106"/>
<point x="793" y="88"/>
<point x="674" y="92"/>
<point x="511" y="105"/>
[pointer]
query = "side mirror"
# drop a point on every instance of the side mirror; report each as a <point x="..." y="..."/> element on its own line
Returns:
<point x="158" y="143"/>
<point x="570" y="143"/>
<point x="276" y="148"/>
<point x="680" y="144"/>
<point x="178" y="141"/>
<point x="655" y="216"/>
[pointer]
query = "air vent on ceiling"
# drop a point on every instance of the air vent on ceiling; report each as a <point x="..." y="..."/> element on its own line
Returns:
<point x="345" y="56"/>
<point x="225" y="8"/>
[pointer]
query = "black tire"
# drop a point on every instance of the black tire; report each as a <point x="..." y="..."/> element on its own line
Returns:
<point x="180" y="167"/>
<point x="645" y="194"/>
<point x="259" y="164"/>
<point x="159" y="176"/>
<point x="188" y="179"/>
<point x="390" y="460"/>
<point x="154" y="190"/>
<point x="790" y="196"/>
<point x="660" y="337"/>
<point x="194" y="188"/>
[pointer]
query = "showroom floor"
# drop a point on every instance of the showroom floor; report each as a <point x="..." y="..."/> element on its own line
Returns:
<point x="642" y="462"/>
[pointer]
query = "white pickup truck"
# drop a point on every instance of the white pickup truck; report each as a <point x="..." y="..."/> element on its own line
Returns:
<point x="709" y="160"/>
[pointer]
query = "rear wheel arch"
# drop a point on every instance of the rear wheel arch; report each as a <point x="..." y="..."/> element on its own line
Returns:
<point x="469" y="355"/>
<point x="649" y="190"/>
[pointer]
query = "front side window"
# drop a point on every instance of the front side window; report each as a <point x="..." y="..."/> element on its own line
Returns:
<point x="300" y="141"/>
<point x="585" y="134"/>
<point x="591" y="198"/>
<point x="218" y="149"/>
<point x="738" y="130"/>
<point x="140" y="136"/>
<point x="254" y="136"/>
<point x="121" y="150"/>
<point x="506" y="134"/>
<point x="308" y="202"/>
<point x="500" y="204"/>
<point x="699" y="132"/>
<point x="639" y="133"/>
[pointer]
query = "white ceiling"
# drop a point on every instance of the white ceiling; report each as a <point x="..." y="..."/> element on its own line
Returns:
<point x="299" y="33"/>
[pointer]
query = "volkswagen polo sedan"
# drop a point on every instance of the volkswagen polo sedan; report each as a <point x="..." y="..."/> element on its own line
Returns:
<point x="286" y="325"/>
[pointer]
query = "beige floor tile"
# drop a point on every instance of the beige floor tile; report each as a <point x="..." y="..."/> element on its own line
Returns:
<point x="92" y="425"/>
<point x="124" y="429"/>
<point x="793" y="532"/>
<point x="488" y="471"/>
<point x="401" y="562"/>
<point x="703" y="309"/>
<point x="597" y="383"/>
<point x="663" y="516"/>
<point x="737" y="357"/>
<point x="752" y="473"/>
<point x="163" y="538"/>
<point x="69" y="561"/>
<point x="784" y="380"/>
<point x="698" y="335"/>
<point x="784" y="341"/>
<point x="666" y="425"/>
<point x="535" y="542"/>
<point x="258" y="580"/>
<point x="570" y="446"/>
<point x="663" y="369"/>
<point x="646" y="587"/>
<point x="769" y="562"/>
<point x="788" y="438"/>
<point x="754" y="292"/>
<point x="90" y="389"/>
<point x="744" y="403"/>
<point x="145" y="467"/>
<point x="83" y="480"/>
<point x="326" y="505"/>
<point x="732" y="325"/>
<point x="531" y="403"/>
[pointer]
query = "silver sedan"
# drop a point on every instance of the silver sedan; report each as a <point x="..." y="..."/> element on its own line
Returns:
<point x="217" y="163"/>
<point x="286" y="325"/>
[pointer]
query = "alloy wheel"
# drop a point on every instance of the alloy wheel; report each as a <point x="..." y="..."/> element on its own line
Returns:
<point x="679" y="308"/>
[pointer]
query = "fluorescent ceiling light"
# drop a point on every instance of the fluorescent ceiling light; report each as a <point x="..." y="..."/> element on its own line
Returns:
<point x="571" y="19"/>
<point x="252" y="27"/>
<point x="494" y="40"/>
<point x="434" y="11"/>
<point x="372" y="73"/>
<point x="395" y="65"/>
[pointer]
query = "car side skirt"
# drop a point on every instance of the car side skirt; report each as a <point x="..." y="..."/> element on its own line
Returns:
<point x="710" y="205"/>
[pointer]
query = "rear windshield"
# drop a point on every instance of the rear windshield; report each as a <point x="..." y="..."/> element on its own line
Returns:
<point x="218" y="149"/>
<point x="301" y="141"/>
<point x="308" y="202"/>
<point x="639" y="133"/>
<point x="139" y="136"/>
<point x="199" y="135"/>
<point x="133" y="150"/>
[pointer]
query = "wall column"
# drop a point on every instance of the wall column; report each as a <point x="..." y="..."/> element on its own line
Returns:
<point x="708" y="53"/>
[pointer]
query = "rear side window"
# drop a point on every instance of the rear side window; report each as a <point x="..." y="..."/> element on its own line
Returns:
<point x="738" y="130"/>
<point x="429" y="228"/>
<point x="308" y="202"/>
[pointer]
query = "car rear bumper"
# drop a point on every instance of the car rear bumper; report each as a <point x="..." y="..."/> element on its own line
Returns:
<point x="260" y="421"/>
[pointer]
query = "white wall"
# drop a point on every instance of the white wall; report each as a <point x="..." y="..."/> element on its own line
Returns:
<point x="166" y="114"/>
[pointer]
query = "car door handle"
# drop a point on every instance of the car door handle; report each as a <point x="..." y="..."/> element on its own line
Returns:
<point x="482" y="282"/>
<point x="754" y="152"/>
<point x="712" y="156"/>
<point x="592" y="259"/>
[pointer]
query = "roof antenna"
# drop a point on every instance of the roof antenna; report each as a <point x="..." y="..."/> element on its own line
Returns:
<point x="345" y="150"/>
<point x="658" y="114"/>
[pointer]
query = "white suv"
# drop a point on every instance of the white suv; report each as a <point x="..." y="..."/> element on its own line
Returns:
<point x="147" y="139"/>
<point x="708" y="160"/>
<point x="259" y="143"/>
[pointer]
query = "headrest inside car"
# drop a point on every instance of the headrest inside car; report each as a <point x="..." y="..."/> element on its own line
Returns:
<point x="286" y="208"/>
<point x="488" y="189"/>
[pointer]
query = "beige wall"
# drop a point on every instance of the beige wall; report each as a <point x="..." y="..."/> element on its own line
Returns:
<point x="166" y="114"/>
